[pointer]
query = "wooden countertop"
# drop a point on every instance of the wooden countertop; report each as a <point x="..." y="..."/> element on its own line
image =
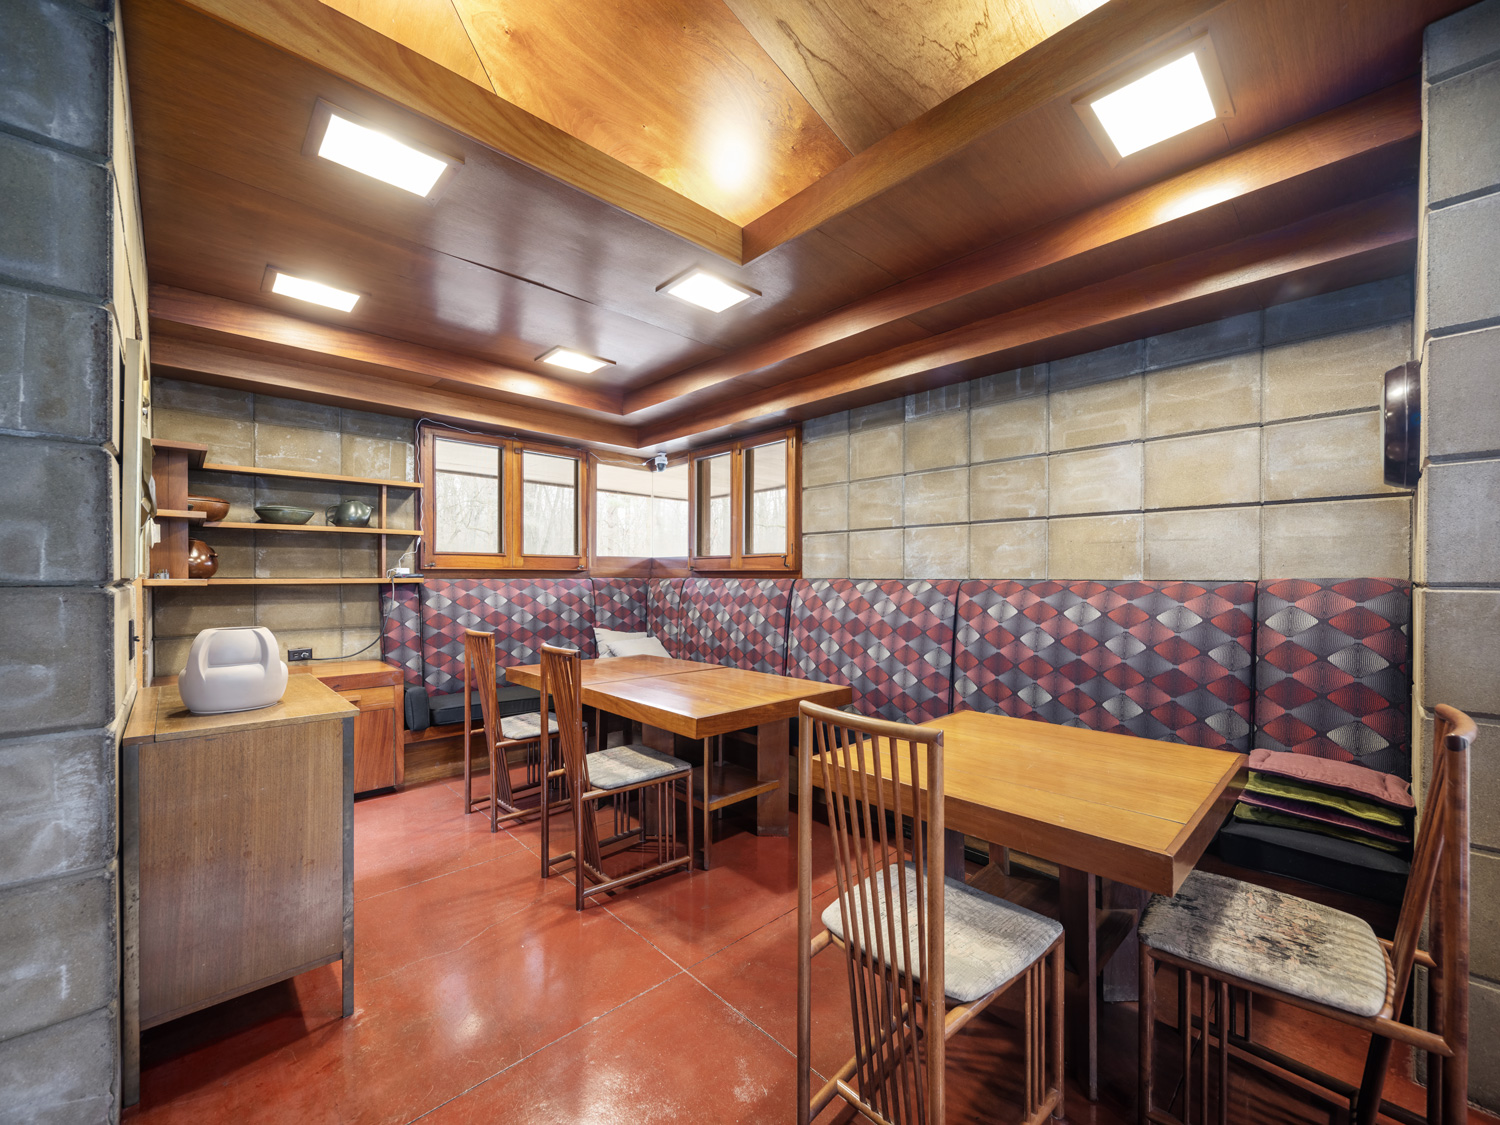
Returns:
<point x="159" y="714"/>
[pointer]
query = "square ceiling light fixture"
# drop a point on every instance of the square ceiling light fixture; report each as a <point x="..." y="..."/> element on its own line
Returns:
<point x="707" y="290"/>
<point x="1151" y="103"/>
<point x="357" y="142"/>
<point x="574" y="361"/>
<point x="304" y="289"/>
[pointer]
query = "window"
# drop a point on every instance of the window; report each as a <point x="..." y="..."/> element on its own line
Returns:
<point x="639" y="513"/>
<point x="743" y="512"/>
<point x="492" y="504"/>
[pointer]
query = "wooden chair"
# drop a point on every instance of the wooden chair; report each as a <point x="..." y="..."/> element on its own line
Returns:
<point x="614" y="772"/>
<point x="502" y="733"/>
<point x="918" y="973"/>
<point x="1225" y="937"/>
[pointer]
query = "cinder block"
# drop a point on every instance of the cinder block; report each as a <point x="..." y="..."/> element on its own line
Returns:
<point x="877" y="554"/>
<point x="939" y="400"/>
<point x="1484" y="914"/>
<point x="937" y="552"/>
<point x="359" y="606"/>
<point x="285" y="608"/>
<point x="201" y="398"/>
<point x="57" y="223"/>
<point x="59" y="522"/>
<point x="1463" y="523"/>
<point x="56" y="672"/>
<point x="1204" y="341"/>
<point x="1217" y="543"/>
<point x="325" y="643"/>
<point x="1099" y="366"/>
<point x="1461" y="389"/>
<point x="1484" y="785"/>
<point x="358" y="557"/>
<point x="1463" y="244"/>
<point x="169" y="655"/>
<point x="1005" y="386"/>
<point x="1461" y="40"/>
<point x="1343" y="310"/>
<point x="230" y="439"/>
<point x="1337" y="539"/>
<point x="277" y="558"/>
<point x="279" y="446"/>
<point x="825" y="556"/>
<point x="877" y="415"/>
<point x="63" y="1075"/>
<point x="362" y="456"/>
<point x="876" y="452"/>
<point x="186" y="613"/>
<point x="1099" y="547"/>
<point x="876" y="503"/>
<point x="317" y="495"/>
<point x="57" y="810"/>
<point x="392" y="427"/>
<point x="57" y="951"/>
<point x="56" y="66"/>
<point x="1008" y="490"/>
<point x="1212" y="395"/>
<point x="825" y="460"/>
<point x="1461" y="639"/>
<point x="1008" y="428"/>
<point x="825" y="508"/>
<point x="1098" y="414"/>
<point x="815" y="429"/>
<point x="54" y="365"/>
<point x="937" y="441"/>
<point x="941" y="496"/>
<point x="294" y="412"/>
<point x="1015" y="549"/>
<point x="1096" y="480"/>
<point x="1334" y="373"/>
<point x="359" y="643"/>
<point x="1463" y="152"/>
<point x="1204" y="470"/>
<point x="1484" y="1043"/>
<point x="1337" y="456"/>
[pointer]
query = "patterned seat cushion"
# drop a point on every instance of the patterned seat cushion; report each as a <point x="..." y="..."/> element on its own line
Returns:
<point x="1271" y="938"/>
<point x="1164" y="660"/>
<point x="663" y="612"/>
<point x="1333" y="670"/>
<point x="617" y="766"/>
<point x="526" y="726"/>
<point x="523" y="613"/>
<point x="740" y="622"/>
<point x="986" y="940"/>
<point x="401" y="632"/>
<point x="892" y="642"/>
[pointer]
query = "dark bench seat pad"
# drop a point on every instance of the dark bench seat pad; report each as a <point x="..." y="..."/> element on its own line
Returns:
<point x="1339" y="865"/>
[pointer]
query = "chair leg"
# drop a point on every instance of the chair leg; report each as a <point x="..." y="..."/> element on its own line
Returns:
<point x="1147" y="1034"/>
<point x="708" y="822"/>
<point x="1367" y="1105"/>
<point x="1059" y="1074"/>
<point x="546" y="790"/>
<point x="578" y="869"/>
<point x="497" y="763"/>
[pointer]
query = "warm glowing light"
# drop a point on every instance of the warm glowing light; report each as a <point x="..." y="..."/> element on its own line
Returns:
<point x="733" y="158"/>
<point x="573" y="361"/>
<point x="1199" y="200"/>
<point x="314" y="291"/>
<point x="701" y="288"/>
<point x="376" y="154"/>
<point x="1170" y="100"/>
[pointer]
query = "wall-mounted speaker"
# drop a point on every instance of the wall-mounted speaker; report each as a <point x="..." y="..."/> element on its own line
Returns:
<point x="1403" y="424"/>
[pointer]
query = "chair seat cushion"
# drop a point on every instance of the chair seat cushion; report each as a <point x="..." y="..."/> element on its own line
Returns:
<point x="617" y="766"/>
<point x="1271" y="938"/>
<point x="526" y="726"/>
<point x="986" y="940"/>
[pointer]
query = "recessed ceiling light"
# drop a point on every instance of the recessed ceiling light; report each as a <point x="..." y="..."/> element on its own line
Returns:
<point x="1169" y="100"/>
<point x="573" y="361"/>
<point x="376" y="154"/>
<point x="314" y="291"/>
<point x="701" y="288"/>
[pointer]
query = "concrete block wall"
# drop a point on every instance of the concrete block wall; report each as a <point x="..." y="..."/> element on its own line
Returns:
<point x="1458" y="544"/>
<point x="1244" y="448"/>
<point x="241" y="428"/>
<point x="71" y="294"/>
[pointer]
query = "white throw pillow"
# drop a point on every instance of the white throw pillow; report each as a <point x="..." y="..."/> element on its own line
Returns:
<point x="611" y="642"/>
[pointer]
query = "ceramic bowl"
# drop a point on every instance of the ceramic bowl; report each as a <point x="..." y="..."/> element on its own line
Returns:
<point x="215" y="508"/>
<point x="281" y="513"/>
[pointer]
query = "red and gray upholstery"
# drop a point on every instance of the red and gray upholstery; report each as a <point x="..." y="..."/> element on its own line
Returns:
<point x="740" y="622"/>
<point x="620" y="603"/>
<point x="401" y="632"/>
<point x="1333" y="670"/>
<point x="522" y="613"/>
<point x="892" y="642"/>
<point x="664" y="612"/>
<point x="1164" y="660"/>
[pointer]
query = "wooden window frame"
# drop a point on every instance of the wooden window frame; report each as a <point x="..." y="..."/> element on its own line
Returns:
<point x="737" y="559"/>
<point x="512" y="510"/>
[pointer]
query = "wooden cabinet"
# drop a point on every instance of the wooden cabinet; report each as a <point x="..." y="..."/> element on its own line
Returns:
<point x="380" y="730"/>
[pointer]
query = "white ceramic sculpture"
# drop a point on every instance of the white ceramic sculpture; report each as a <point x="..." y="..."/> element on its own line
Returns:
<point x="232" y="670"/>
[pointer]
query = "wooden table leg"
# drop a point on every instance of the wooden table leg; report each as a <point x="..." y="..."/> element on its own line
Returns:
<point x="953" y="854"/>
<point x="772" y="762"/>
<point x="1078" y="903"/>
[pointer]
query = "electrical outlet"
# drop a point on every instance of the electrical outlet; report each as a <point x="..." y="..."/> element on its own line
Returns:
<point x="295" y="654"/>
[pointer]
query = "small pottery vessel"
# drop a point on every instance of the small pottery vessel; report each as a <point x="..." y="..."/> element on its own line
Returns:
<point x="282" y="513"/>
<point x="215" y="508"/>
<point x="203" y="560"/>
<point x="351" y="513"/>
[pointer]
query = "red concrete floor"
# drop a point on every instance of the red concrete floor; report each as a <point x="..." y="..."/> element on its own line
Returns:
<point x="482" y="996"/>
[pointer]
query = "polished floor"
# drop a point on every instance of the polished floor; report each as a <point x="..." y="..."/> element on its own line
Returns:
<point x="482" y="996"/>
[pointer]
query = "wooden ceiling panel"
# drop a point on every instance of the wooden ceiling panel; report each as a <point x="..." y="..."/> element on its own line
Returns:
<point x="433" y="30"/>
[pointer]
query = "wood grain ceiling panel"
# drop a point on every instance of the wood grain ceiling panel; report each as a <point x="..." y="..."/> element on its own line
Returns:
<point x="434" y="30"/>
<point x="868" y="69"/>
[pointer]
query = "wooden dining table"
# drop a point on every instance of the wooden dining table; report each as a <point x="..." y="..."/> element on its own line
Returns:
<point x="1099" y="805"/>
<point x="674" y="699"/>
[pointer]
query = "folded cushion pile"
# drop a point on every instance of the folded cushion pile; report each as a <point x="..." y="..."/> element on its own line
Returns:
<point x="1340" y="799"/>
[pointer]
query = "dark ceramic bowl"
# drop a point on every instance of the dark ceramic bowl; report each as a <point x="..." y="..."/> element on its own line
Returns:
<point x="281" y="513"/>
<point x="215" y="508"/>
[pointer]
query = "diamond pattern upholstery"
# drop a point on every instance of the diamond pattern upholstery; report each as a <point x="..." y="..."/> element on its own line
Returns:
<point x="1333" y="670"/>
<point x="1164" y="660"/>
<point x="401" y="632"/>
<point x="620" y="604"/>
<point x="523" y="614"/>
<point x="892" y="642"/>
<point x="740" y="622"/>
<point x="663" y="612"/>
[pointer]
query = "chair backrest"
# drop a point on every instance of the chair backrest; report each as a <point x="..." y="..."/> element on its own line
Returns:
<point x="1440" y="861"/>
<point x="562" y="685"/>
<point x="878" y="775"/>
<point x="479" y="672"/>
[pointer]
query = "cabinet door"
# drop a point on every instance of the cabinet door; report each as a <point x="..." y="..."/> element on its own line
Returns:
<point x="374" y="749"/>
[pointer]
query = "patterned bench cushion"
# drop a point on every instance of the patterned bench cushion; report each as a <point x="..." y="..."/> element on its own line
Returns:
<point x="401" y="632"/>
<point x="1333" y="670"/>
<point x="523" y="613"/>
<point x="740" y="622"/>
<point x="1165" y="660"/>
<point x="620" y="604"/>
<point x="663" y="612"/>
<point x="892" y="642"/>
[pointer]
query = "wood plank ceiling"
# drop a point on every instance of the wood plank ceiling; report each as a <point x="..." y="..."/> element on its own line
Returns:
<point x="922" y="203"/>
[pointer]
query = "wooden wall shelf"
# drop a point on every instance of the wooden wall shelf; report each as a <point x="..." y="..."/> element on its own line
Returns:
<point x="231" y="525"/>
<point x="175" y="514"/>
<point x="280" y="581"/>
<point x="261" y="471"/>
